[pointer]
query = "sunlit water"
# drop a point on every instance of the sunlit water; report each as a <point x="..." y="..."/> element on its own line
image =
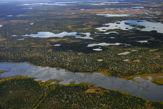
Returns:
<point x="114" y="15"/>
<point x="129" y="24"/>
<point x="103" y="44"/>
<point x="50" y="34"/>
<point x="124" y="53"/>
<point x="144" y="89"/>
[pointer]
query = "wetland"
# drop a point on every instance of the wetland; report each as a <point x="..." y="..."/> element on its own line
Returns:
<point x="69" y="54"/>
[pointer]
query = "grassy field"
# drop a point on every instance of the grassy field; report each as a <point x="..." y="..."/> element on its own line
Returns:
<point x="158" y="81"/>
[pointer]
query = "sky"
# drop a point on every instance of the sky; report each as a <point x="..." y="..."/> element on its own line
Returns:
<point x="40" y="0"/>
<point x="20" y="0"/>
<point x="44" y="0"/>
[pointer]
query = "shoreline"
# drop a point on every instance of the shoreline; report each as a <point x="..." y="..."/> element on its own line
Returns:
<point x="2" y="71"/>
<point x="143" y="76"/>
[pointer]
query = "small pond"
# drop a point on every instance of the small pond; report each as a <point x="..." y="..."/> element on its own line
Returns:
<point x="114" y="15"/>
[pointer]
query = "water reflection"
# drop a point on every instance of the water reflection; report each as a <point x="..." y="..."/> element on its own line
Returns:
<point x="50" y="34"/>
<point x="144" y="89"/>
<point x="143" y="25"/>
<point x="114" y="15"/>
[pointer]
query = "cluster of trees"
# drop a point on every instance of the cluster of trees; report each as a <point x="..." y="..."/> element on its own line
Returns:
<point x="41" y="52"/>
<point x="57" y="19"/>
<point x="19" y="92"/>
<point x="24" y="92"/>
<point x="75" y="97"/>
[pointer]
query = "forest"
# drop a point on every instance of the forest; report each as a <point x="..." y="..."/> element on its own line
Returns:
<point x="77" y="57"/>
<point x="25" y="92"/>
<point x="74" y="53"/>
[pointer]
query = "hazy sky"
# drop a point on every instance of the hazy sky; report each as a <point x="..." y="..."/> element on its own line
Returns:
<point x="38" y="0"/>
<point x="41" y="0"/>
<point x="21" y="0"/>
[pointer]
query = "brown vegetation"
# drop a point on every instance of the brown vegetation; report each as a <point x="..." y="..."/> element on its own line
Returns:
<point x="50" y="50"/>
<point x="144" y="77"/>
<point x="93" y="89"/>
<point x="80" y="53"/>
<point x="19" y="21"/>
<point x="2" y="39"/>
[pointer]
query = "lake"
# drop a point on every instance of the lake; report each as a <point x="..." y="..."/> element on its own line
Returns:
<point x="114" y="15"/>
<point x="62" y="34"/>
<point x="144" y="88"/>
<point x="129" y="24"/>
